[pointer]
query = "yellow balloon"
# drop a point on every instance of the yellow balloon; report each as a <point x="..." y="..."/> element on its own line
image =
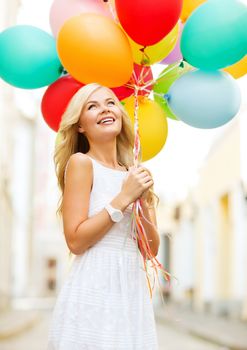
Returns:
<point x="152" y="125"/>
<point x="188" y="7"/>
<point x="154" y="53"/>
<point x="238" y="69"/>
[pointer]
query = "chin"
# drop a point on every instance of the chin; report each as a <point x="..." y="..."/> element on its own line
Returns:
<point x="110" y="133"/>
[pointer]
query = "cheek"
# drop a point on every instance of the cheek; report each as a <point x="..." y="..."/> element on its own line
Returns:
<point x="89" y="119"/>
<point x="118" y="112"/>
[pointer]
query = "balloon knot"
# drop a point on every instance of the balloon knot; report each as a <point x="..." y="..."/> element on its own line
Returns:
<point x="167" y="97"/>
<point x="62" y="71"/>
<point x="145" y="61"/>
<point x="181" y="64"/>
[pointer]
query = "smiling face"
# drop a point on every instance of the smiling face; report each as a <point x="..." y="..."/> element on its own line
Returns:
<point x="100" y="118"/>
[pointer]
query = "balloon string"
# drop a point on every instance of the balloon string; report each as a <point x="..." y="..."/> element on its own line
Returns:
<point x="133" y="86"/>
<point x="137" y="229"/>
<point x="143" y="76"/>
<point x="139" y="84"/>
<point x="135" y="76"/>
<point x="161" y="76"/>
<point x="137" y="144"/>
<point x="112" y="11"/>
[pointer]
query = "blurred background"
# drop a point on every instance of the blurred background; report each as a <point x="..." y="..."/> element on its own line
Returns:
<point x="200" y="177"/>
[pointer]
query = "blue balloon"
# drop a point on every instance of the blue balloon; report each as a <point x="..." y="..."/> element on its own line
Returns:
<point x="205" y="99"/>
<point x="215" y="34"/>
<point x="28" y="57"/>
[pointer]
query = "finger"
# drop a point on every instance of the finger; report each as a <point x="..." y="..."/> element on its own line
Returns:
<point x="143" y="176"/>
<point x="147" y="178"/>
<point x="148" y="184"/>
<point x="144" y="179"/>
<point x="143" y="167"/>
<point x="133" y="167"/>
<point x="140" y="170"/>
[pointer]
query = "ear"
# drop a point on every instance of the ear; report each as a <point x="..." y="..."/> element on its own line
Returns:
<point x="80" y="129"/>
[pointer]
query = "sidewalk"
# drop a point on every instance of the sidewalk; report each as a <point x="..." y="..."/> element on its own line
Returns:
<point x="14" y="322"/>
<point x="230" y="334"/>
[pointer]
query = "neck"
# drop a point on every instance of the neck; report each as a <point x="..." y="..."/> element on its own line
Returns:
<point x="105" y="152"/>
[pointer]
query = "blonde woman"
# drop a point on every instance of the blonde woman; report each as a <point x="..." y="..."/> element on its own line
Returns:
<point x="104" y="303"/>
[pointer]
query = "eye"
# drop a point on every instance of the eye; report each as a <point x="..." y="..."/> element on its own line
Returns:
<point x="111" y="102"/>
<point x="91" y="106"/>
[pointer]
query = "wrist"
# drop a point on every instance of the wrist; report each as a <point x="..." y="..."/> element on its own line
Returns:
<point x="120" y="202"/>
<point x="116" y="215"/>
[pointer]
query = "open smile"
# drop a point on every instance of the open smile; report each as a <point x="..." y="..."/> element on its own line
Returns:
<point x="106" y="121"/>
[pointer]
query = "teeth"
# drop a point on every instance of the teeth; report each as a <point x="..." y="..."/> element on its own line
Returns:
<point x="107" y="120"/>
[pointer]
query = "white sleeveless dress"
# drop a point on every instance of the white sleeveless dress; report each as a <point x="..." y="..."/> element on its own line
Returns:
<point x="105" y="303"/>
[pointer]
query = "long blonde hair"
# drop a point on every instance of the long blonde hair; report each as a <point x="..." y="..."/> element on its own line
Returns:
<point x="71" y="141"/>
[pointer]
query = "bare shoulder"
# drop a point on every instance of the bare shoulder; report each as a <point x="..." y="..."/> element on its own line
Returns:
<point x="79" y="159"/>
<point x="79" y="166"/>
<point x="78" y="162"/>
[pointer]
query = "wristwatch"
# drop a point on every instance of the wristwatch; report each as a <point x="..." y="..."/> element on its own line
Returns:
<point x="115" y="214"/>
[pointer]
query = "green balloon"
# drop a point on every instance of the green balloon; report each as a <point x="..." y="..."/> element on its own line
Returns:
<point x="165" y="80"/>
<point x="215" y="35"/>
<point x="28" y="57"/>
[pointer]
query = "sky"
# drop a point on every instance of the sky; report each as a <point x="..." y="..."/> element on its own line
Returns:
<point x="175" y="168"/>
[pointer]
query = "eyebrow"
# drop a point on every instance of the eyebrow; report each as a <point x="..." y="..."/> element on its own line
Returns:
<point x="109" y="98"/>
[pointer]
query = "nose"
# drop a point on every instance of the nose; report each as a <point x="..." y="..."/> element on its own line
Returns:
<point x="104" y="109"/>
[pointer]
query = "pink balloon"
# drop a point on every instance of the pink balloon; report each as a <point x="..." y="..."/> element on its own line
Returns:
<point x="175" y="55"/>
<point x="62" y="10"/>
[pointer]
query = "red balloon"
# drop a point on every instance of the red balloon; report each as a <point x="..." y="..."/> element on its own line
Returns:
<point x="122" y="91"/>
<point x="141" y="76"/>
<point x="56" y="99"/>
<point x="147" y="22"/>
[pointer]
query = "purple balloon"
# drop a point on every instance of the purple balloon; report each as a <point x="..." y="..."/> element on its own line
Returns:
<point x="175" y="55"/>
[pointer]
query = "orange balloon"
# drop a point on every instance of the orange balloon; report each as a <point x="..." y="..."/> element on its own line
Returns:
<point x="238" y="69"/>
<point x="92" y="48"/>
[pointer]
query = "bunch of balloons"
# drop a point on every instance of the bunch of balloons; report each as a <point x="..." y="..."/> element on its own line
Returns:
<point x="202" y="43"/>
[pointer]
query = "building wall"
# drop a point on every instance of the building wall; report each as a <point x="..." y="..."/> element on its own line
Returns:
<point x="8" y="115"/>
<point x="210" y="252"/>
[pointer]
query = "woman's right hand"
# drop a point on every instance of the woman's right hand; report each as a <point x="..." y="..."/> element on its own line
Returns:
<point x="136" y="182"/>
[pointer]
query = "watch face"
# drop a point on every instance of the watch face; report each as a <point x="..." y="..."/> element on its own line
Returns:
<point x="117" y="216"/>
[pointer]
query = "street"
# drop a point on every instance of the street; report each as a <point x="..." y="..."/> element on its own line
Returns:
<point x="169" y="339"/>
<point x="172" y="339"/>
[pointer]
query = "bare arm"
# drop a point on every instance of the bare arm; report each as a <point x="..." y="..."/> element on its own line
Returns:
<point x="80" y="231"/>
<point x="151" y="231"/>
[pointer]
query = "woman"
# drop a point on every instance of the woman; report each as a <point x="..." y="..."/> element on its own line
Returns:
<point x="104" y="303"/>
